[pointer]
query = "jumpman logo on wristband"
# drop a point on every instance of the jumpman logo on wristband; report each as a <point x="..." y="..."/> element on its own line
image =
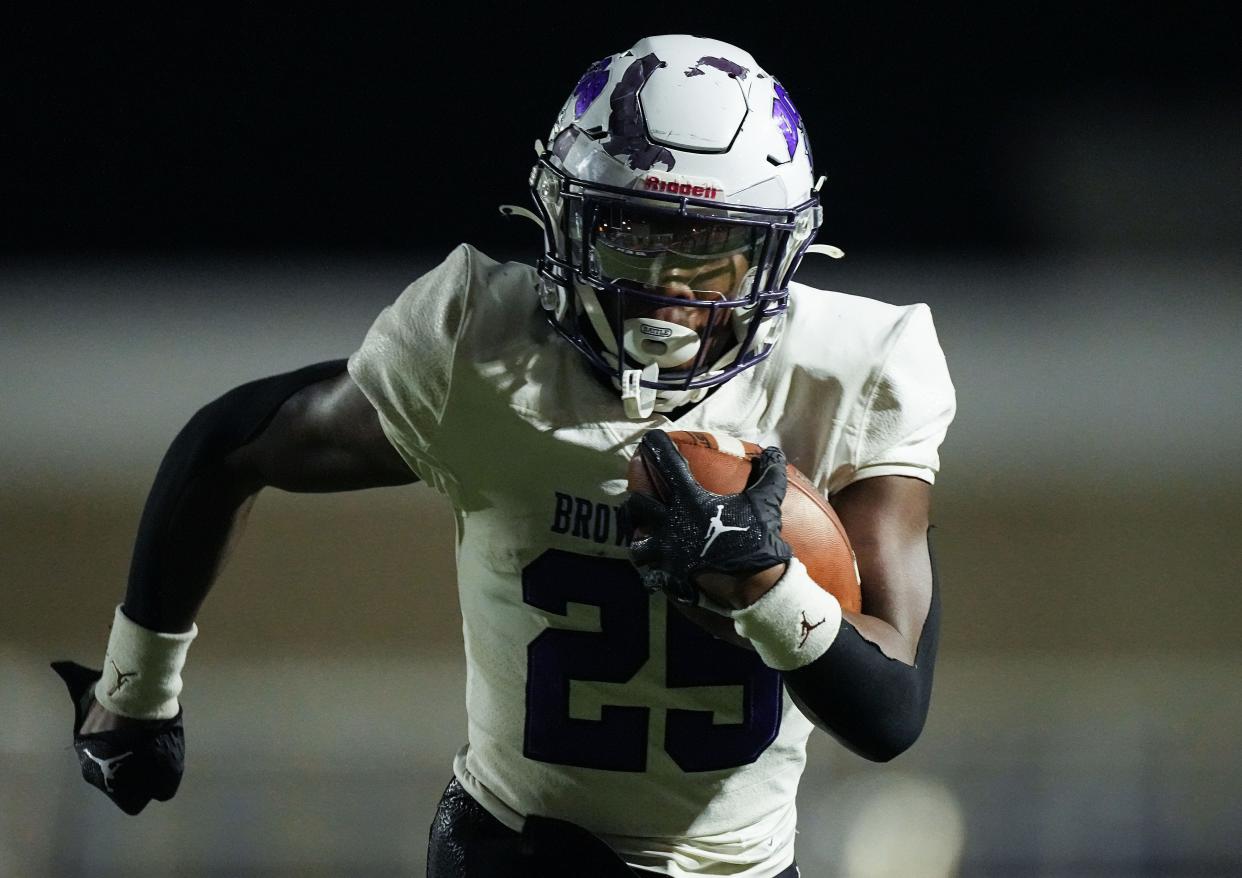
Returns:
<point x="121" y="678"/>
<point x="807" y="628"/>
<point x="716" y="528"/>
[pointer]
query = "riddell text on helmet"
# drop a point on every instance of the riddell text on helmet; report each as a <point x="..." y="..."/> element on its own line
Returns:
<point x="676" y="187"/>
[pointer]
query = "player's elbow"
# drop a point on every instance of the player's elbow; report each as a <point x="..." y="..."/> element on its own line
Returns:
<point x="882" y="727"/>
<point x="204" y="448"/>
<point x="235" y="439"/>
<point x="889" y="739"/>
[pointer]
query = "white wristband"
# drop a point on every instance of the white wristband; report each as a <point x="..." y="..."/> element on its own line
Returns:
<point x="794" y="623"/>
<point x="142" y="670"/>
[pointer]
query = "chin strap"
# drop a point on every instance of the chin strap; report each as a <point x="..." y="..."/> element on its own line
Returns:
<point x="639" y="401"/>
<point x="515" y="210"/>
<point x="824" y="249"/>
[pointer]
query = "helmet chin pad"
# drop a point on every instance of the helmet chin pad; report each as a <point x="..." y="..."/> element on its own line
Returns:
<point x="666" y="344"/>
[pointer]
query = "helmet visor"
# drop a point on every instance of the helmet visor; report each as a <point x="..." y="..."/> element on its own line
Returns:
<point x="668" y="253"/>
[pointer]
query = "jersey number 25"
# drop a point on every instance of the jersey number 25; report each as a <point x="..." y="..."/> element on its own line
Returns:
<point x="617" y="741"/>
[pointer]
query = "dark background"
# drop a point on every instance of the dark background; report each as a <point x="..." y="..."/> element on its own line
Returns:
<point x="947" y="129"/>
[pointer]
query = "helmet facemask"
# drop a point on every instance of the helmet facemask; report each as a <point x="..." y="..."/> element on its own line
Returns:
<point x="669" y="293"/>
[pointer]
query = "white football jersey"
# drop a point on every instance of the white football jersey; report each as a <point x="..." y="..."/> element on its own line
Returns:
<point x="588" y="699"/>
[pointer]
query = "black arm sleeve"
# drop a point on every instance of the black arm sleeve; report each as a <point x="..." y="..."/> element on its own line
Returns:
<point x="193" y="464"/>
<point x="874" y="705"/>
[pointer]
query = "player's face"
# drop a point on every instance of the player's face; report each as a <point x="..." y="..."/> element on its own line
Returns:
<point x="717" y="279"/>
<point x="679" y="258"/>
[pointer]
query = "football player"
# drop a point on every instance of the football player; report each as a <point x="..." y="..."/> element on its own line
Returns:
<point x="676" y="199"/>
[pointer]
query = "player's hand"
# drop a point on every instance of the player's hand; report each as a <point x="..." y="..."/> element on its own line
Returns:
<point x="694" y="534"/>
<point x="132" y="760"/>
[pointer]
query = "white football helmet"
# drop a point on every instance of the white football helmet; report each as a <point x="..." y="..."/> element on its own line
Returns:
<point x="676" y="198"/>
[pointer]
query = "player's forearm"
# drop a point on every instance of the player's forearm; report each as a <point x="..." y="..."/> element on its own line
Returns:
<point x="862" y="692"/>
<point x="194" y="510"/>
<point x="180" y="547"/>
<point x="871" y="688"/>
<point x="873" y="704"/>
<point x="840" y="667"/>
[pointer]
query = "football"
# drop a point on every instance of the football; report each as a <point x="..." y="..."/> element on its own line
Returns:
<point x="722" y="464"/>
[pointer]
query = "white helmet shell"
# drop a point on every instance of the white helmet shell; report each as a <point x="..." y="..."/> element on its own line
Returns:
<point x="684" y="110"/>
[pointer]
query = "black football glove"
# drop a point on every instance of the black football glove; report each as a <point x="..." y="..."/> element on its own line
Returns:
<point x="132" y="765"/>
<point x="694" y="530"/>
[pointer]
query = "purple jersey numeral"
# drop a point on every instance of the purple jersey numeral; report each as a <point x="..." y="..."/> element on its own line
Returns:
<point x="696" y="661"/>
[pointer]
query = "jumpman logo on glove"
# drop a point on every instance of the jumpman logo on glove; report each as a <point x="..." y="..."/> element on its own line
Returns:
<point x="677" y="529"/>
<point x="716" y="528"/>
<point x="107" y="767"/>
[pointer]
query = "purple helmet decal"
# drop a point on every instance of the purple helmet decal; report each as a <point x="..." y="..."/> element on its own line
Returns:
<point x="627" y="135"/>
<point x="590" y="85"/>
<point x="787" y="118"/>
<point x="722" y="64"/>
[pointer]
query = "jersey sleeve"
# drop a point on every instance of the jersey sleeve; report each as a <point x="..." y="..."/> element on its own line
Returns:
<point x="908" y="406"/>
<point x="405" y="363"/>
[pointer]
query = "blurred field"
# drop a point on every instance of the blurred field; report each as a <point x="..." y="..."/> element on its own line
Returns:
<point x="1086" y="715"/>
<point x="1025" y="571"/>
